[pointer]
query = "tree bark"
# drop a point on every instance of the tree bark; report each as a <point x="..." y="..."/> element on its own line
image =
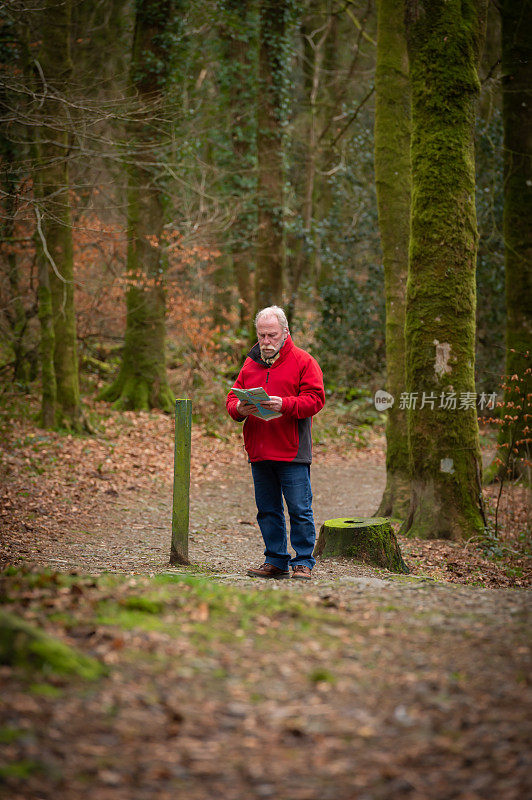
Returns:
<point x="181" y="495"/>
<point x="142" y="382"/>
<point x="393" y="183"/>
<point x="15" y="312"/>
<point x="269" y="274"/>
<point x="369" y="540"/>
<point x="46" y="344"/>
<point x="314" y="38"/>
<point x="517" y="222"/>
<point x="238" y="84"/>
<point x="54" y="225"/>
<point x="444" y="40"/>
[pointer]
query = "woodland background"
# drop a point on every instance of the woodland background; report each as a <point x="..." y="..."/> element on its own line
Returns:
<point x="170" y="167"/>
<point x="166" y="168"/>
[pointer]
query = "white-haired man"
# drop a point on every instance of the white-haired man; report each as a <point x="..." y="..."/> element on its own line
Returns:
<point x="280" y="449"/>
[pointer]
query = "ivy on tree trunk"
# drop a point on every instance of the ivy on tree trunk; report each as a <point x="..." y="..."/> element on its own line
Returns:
<point x="393" y="183"/>
<point x="142" y="382"/>
<point x="237" y="80"/>
<point x="444" y="39"/>
<point x="517" y="222"/>
<point x="272" y="106"/>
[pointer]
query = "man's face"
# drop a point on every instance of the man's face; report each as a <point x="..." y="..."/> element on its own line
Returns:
<point x="270" y="336"/>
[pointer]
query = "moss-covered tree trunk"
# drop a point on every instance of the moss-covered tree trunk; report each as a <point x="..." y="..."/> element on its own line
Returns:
<point x="142" y="381"/>
<point x="54" y="223"/>
<point x="369" y="540"/>
<point x="14" y="310"/>
<point x="46" y="343"/>
<point x="516" y="20"/>
<point x="444" y="39"/>
<point x="392" y="176"/>
<point x="273" y="56"/>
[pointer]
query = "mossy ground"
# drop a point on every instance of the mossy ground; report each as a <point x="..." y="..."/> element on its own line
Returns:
<point x="208" y="685"/>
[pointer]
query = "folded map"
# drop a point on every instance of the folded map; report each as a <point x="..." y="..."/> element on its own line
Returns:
<point x="256" y="396"/>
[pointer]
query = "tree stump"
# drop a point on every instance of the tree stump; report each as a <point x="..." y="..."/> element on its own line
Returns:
<point x="370" y="540"/>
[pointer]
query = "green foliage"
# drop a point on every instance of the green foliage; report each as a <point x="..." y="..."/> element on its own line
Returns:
<point x="234" y="143"/>
<point x="159" y="32"/>
<point x="351" y="333"/>
<point x="277" y="18"/>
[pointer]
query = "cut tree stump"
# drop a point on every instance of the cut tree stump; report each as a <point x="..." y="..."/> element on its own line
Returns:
<point x="367" y="539"/>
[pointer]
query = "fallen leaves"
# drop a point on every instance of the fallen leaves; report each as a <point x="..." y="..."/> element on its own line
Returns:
<point x="414" y="694"/>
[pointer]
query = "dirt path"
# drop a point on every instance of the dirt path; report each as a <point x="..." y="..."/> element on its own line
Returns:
<point x="135" y="536"/>
<point x="362" y="685"/>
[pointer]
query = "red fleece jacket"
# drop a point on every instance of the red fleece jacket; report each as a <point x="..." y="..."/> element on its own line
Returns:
<point x="297" y="378"/>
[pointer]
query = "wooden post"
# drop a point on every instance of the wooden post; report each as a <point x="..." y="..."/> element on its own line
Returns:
<point x="180" y="510"/>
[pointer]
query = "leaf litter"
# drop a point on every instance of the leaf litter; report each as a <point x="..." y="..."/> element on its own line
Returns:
<point x="362" y="685"/>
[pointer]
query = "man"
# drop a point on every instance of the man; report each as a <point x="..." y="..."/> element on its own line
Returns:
<point x="280" y="449"/>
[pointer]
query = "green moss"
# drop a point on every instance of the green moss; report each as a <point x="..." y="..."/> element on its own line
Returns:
<point x="145" y="604"/>
<point x="46" y="347"/>
<point x="375" y="543"/>
<point x="393" y="184"/>
<point x="9" y="734"/>
<point x="20" y="769"/>
<point x="53" y="189"/>
<point x="354" y="522"/>
<point x="45" y="690"/>
<point x="321" y="675"/>
<point x="443" y="43"/>
<point x="111" y="613"/>
<point x="22" y="645"/>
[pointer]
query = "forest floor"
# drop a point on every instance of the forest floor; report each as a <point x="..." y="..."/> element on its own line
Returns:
<point x="361" y="685"/>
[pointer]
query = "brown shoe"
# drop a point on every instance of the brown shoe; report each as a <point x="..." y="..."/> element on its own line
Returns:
<point x="301" y="572"/>
<point x="268" y="571"/>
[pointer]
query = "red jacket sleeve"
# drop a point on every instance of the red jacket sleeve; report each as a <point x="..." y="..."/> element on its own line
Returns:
<point x="311" y="397"/>
<point x="232" y="400"/>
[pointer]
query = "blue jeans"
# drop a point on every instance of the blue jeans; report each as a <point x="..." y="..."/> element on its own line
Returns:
<point x="272" y="480"/>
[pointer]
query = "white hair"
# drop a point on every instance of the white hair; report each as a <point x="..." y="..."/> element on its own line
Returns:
<point x="273" y="311"/>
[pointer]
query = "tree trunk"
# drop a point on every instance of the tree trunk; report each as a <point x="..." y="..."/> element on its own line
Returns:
<point x="444" y="39"/>
<point x="14" y="310"/>
<point x="142" y="383"/>
<point x="269" y="275"/>
<point x="393" y="183"/>
<point x="369" y="540"/>
<point x="314" y="37"/>
<point x="238" y="84"/>
<point x="46" y="345"/>
<point x="517" y="221"/>
<point x="54" y="228"/>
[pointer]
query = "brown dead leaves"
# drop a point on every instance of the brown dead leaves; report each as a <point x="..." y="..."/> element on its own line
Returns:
<point x="54" y="487"/>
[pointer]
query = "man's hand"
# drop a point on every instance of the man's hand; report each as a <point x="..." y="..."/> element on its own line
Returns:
<point x="244" y="408"/>
<point x="274" y="403"/>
